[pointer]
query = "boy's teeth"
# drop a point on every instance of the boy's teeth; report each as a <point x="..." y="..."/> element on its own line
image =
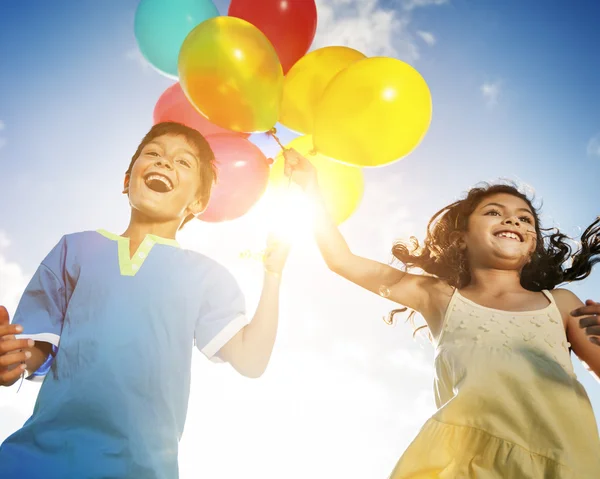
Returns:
<point x="161" y="179"/>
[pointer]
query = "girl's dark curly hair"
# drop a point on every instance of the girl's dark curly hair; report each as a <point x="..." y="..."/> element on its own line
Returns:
<point x="553" y="262"/>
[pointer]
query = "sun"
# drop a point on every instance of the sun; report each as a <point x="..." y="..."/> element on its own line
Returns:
<point x="287" y="213"/>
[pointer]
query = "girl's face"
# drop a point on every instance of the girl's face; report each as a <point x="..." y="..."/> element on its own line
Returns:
<point x="501" y="233"/>
<point x="165" y="179"/>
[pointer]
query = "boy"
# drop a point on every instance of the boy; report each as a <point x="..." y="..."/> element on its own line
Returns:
<point x="113" y="320"/>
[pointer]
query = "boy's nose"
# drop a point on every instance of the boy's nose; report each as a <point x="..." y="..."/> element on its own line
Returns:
<point x="165" y="164"/>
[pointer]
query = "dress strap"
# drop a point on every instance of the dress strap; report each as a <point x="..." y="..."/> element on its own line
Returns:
<point x="549" y="296"/>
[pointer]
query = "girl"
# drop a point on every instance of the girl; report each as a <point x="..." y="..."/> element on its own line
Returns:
<point x="509" y="404"/>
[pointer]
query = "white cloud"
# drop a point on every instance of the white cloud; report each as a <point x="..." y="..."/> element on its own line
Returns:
<point x="412" y="4"/>
<point x="366" y="26"/>
<point x="2" y="125"/>
<point x="12" y="278"/>
<point x="136" y="56"/>
<point x="427" y="37"/>
<point x="491" y="92"/>
<point x="593" y="146"/>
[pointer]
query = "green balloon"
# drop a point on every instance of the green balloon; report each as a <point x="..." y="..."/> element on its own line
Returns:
<point x="162" y="25"/>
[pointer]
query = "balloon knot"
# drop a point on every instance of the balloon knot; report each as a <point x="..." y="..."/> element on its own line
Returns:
<point x="272" y="131"/>
<point x="313" y="152"/>
<point x="270" y="161"/>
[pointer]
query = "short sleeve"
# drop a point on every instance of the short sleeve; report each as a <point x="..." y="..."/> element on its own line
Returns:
<point x="223" y="312"/>
<point x="42" y="307"/>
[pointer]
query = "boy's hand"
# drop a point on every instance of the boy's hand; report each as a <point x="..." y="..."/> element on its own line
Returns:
<point x="591" y="321"/>
<point x="301" y="170"/>
<point x="12" y="354"/>
<point x="275" y="255"/>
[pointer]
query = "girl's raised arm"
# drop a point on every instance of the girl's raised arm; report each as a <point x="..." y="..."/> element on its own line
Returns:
<point x="407" y="289"/>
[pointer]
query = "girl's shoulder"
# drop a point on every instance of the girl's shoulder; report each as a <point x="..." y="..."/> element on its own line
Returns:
<point x="439" y="294"/>
<point x="566" y="301"/>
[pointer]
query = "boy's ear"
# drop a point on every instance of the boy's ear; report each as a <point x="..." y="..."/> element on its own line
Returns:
<point x="197" y="207"/>
<point x="126" y="184"/>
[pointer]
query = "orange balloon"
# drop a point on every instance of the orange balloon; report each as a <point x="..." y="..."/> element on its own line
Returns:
<point x="230" y="72"/>
<point x="305" y="83"/>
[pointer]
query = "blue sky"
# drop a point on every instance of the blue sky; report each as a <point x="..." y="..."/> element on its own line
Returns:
<point x="515" y="94"/>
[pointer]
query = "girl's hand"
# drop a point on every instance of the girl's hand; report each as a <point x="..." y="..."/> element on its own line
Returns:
<point x="591" y="321"/>
<point x="301" y="170"/>
<point x="275" y="255"/>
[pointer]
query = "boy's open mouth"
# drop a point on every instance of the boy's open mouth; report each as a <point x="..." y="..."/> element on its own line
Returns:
<point x="158" y="183"/>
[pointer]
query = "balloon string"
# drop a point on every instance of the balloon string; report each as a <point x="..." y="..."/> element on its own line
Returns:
<point x="273" y="132"/>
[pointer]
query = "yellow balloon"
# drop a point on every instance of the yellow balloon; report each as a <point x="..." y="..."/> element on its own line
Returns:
<point x="373" y="113"/>
<point x="342" y="186"/>
<point x="306" y="81"/>
<point x="231" y="73"/>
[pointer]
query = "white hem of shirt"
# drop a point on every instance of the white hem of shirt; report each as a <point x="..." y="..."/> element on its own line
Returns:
<point x="223" y="338"/>
<point x="42" y="337"/>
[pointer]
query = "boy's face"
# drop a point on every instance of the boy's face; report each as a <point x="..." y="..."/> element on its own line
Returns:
<point x="165" y="179"/>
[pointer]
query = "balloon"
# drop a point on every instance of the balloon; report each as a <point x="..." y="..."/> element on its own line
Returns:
<point x="373" y="113"/>
<point x="162" y="25"/>
<point x="305" y="83"/>
<point x="290" y="25"/>
<point x="342" y="186"/>
<point x="242" y="177"/>
<point x="174" y="106"/>
<point x="230" y="72"/>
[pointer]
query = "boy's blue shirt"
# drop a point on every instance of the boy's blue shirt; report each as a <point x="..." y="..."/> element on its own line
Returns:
<point x="114" y="399"/>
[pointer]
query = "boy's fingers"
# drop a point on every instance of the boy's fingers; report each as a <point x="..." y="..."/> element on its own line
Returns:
<point x="15" y="344"/>
<point x="4" y="318"/>
<point x="593" y="331"/>
<point x="9" y="330"/>
<point x="8" y="378"/>
<point x="14" y="358"/>
<point x="587" y="310"/>
<point x="588" y="321"/>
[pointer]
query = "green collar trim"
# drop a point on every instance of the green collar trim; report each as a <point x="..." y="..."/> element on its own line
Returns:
<point x="130" y="265"/>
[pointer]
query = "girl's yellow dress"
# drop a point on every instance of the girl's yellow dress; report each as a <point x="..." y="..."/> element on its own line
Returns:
<point x="509" y="404"/>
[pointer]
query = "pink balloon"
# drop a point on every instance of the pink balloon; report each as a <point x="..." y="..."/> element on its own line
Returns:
<point x="242" y="177"/>
<point x="173" y="105"/>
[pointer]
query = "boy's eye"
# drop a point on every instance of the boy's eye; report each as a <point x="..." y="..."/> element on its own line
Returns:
<point x="185" y="163"/>
<point x="152" y="153"/>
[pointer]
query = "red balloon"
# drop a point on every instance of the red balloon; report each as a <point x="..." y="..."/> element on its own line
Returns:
<point x="290" y="25"/>
<point x="242" y="177"/>
<point x="173" y="105"/>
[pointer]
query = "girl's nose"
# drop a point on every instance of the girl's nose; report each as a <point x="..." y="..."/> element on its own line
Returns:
<point x="513" y="220"/>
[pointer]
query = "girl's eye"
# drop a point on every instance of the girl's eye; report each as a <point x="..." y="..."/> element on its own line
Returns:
<point x="185" y="163"/>
<point x="492" y="213"/>
<point x="526" y="219"/>
<point x="152" y="153"/>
